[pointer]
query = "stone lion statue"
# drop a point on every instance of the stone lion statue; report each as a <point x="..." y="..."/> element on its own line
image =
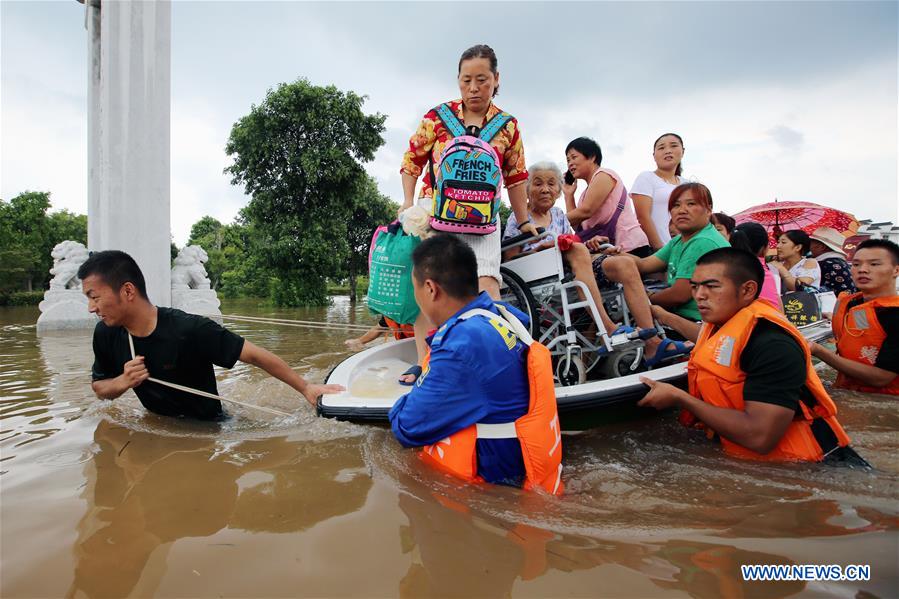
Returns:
<point x="188" y="271"/>
<point x="68" y="256"/>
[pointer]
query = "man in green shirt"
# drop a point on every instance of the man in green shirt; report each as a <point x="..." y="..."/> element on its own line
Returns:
<point x="690" y="206"/>
<point x="135" y="340"/>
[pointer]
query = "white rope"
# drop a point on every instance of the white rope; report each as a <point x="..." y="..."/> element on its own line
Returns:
<point x="311" y="324"/>
<point x="204" y="393"/>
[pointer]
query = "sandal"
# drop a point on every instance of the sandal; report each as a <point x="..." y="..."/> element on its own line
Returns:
<point x="622" y="329"/>
<point x="665" y="352"/>
<point x="414" y="370"/>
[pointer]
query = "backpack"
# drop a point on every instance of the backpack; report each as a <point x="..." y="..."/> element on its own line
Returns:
<point x="466" y="189"/>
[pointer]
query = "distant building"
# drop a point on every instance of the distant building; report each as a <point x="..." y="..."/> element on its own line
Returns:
<point x="883" y="230"/>
<point x="871" y="230"/>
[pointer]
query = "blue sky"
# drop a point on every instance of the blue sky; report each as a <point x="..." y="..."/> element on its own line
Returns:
<point x="791" y="100"/>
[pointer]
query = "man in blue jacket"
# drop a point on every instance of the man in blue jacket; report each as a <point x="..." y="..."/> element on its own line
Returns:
<point x="477" y="371"/>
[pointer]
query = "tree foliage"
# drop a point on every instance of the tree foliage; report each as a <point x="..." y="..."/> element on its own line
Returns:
<point x="236" y="251"/>
<point x="504" y="212"/>
<point x="372" y="209"/>
<point x="299" y="155"/>
<point x="233" y="265"/>
<point x="27" y="235"/>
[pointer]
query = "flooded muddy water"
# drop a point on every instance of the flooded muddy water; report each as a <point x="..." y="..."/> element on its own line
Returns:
<point x="102" y="499"/>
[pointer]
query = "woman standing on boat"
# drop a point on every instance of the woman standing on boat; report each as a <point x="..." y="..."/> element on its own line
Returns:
<point x="795" y="269"/>
<point x="478" y="80"/>
<point x="651" y="189"/>
<point x="473" y="115"/>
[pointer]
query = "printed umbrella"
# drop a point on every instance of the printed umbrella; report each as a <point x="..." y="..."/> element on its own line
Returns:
<point x="778" y="217"/>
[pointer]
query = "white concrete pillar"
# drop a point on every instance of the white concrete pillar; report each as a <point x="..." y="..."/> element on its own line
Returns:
<point x="129" y="105"/>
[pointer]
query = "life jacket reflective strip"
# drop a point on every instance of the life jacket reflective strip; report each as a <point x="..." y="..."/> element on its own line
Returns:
<point x="715" y="377"/>
<point x="860" y="336"/>
<point x="400" y="331"/>
<point x="538" y="431"/>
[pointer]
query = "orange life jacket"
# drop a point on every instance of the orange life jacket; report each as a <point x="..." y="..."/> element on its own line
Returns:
<point x="859" y="337"/>
<point x="715" y="377"/>
<point x="400" y="331"/>
<point x="538" y="431"/>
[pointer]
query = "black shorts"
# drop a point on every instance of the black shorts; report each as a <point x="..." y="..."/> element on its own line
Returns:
<point x="601" y="279"/>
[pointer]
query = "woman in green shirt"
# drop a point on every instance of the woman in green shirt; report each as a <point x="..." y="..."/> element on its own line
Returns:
<point x="690" y="207"/>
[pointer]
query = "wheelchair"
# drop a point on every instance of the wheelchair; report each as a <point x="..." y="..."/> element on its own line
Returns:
<point x="538" y="284"/>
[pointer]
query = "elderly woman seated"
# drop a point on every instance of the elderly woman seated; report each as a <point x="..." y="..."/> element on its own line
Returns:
<point x="544" y="186"/>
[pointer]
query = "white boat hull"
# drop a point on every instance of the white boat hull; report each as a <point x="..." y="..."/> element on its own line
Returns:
<point x="370" y="378"/>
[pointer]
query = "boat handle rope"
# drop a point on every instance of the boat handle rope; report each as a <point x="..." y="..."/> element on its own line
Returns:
<point x="204" y="393"/>
<point x="311" y="324"/>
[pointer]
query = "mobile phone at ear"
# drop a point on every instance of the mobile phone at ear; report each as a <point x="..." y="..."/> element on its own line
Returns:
<point x="569" y="178"/>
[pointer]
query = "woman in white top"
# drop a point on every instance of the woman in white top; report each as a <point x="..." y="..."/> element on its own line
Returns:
<point x="651" y="189"/>
<point x="794" y="268"/>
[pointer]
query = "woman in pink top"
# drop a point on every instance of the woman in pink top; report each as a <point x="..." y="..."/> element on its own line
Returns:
<point x="604" y="212"/>
<point x="604" y="208"/>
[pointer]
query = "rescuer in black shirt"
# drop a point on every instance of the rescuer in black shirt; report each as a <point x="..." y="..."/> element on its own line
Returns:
<point x="169" y="345"/>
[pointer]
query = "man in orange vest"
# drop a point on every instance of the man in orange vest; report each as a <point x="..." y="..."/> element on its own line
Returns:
<point x="866" y="324"/>
<point x="750" y="376"/>
<point x="484" y="407"/>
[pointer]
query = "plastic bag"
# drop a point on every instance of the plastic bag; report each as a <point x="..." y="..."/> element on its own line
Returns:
<point x="390" y="290"/>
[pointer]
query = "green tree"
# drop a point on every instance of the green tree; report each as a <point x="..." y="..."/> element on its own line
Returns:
<point x="371" y="210"/>
<point x="203" y="228"/>
<point x="65" y="225"/>
<point x="234" y="266"/>
<point x="504" y="212"/>
<point x="245" y="273"/>
<point x="16" y="263"/>
<point x="27" y="236"/>
<point x="224" y="244"/>
<point x="299" y="155"/>
<point x="208" y="234"/>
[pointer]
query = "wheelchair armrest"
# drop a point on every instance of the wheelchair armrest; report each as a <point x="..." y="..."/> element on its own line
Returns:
<point x="523" y="239"/>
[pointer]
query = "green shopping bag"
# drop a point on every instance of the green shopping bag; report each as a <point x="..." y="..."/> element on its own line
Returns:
<point x="390" y="291"/>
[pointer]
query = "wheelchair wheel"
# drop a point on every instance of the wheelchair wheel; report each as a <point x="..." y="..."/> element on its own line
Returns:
<point x="570" y="371"/>
<point x="514" y="292"/>
<point x="619" y="363"/>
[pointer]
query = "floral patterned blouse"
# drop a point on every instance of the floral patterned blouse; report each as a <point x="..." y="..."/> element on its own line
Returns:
<point x="558" y="225"/>
<point x="431" y="137"/>
<point x="835" y="275"/>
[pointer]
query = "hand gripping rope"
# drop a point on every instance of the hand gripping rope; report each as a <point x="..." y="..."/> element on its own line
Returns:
<point x="204" y="393"/>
